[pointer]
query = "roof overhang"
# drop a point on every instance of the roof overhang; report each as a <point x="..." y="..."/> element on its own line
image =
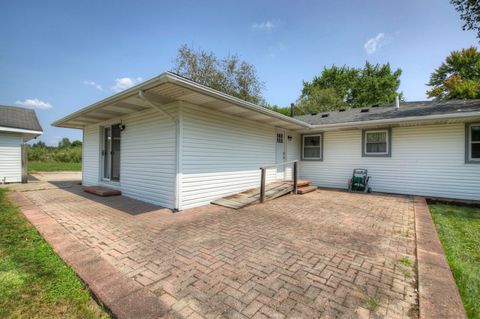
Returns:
<point x="26" y="134"/>
<point x="168" y="88"/>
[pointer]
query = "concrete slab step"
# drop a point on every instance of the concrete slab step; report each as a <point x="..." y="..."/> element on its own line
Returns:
<point x="300" y="183"/>
<point x="306" y="189"/>
<point x="102" y="191"/>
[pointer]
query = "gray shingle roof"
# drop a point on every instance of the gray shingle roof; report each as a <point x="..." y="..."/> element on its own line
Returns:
<point x="19" y="117"/>
<point x="407" y="109"/>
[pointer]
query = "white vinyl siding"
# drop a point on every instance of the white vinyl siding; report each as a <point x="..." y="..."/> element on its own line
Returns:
<point x="147" y="157"/>
<point x="91" y="155"/>
<point x="222" y="155"/>
<point x="10" y="158"/>
<point x="425" y="160"/>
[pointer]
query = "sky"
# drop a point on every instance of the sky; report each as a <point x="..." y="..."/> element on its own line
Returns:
<point x="60" y="56"/>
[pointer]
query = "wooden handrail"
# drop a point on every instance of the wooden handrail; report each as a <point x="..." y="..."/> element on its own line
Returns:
<point x="279" y="164"/>
<point x="263" y="177"/>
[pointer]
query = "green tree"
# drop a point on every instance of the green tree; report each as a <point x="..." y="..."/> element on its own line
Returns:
<point x="319" y="100"/>
<point x="76" y="143"/>
<point x="64" y="143"/>
<point x="229" y="75"/>
<point x="458" y="77"/>
<point x="470" y="13"/>
<point x="357" y="87"/>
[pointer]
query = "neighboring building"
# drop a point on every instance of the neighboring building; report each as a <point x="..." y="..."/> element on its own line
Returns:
<point x="179" y="144"/>
<point x="17" y="126"/>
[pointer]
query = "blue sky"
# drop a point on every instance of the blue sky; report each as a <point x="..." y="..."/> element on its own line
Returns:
<point x="59" y="56"/>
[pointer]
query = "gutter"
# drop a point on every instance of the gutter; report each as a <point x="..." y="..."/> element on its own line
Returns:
<point x="19" y="130"/>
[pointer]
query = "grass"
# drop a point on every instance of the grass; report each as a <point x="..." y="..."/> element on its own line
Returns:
<point x="34" y="281"/>
<point x="459" y="231"/>
<point x="405" y="261"/>
<point x="53" y="166"/>
<point x="372" y="304"/>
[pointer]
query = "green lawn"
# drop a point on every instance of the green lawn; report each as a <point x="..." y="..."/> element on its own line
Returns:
<point x="34" y="281"/>
<point x="459" y="231"/>
<point x="52" y="167"/>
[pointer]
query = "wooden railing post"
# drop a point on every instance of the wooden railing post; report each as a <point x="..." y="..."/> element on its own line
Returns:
<point x="262" y="185"/>
<point x="295" y="176"/>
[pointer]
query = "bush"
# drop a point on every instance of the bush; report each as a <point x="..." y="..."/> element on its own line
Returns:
<point x="48" y="154"/>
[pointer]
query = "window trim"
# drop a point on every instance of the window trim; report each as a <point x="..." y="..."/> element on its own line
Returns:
<point x="468" y="144"/>
<point x="320" y="159"/>
<point x="388" y="153"/>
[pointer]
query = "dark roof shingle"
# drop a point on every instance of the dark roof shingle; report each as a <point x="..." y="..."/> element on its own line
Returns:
<point x="382" y="112"/>
<point x="19" y="117"/>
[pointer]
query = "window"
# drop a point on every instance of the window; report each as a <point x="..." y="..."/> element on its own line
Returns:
<point x="472" y="133"/>
<point x="376" y="143"/>
<point x="279" y="138"/>
<point x="312" y="147"/>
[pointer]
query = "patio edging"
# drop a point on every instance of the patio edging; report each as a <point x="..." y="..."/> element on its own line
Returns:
<point x="438" y="292"/>
<point x="121" y="295"/>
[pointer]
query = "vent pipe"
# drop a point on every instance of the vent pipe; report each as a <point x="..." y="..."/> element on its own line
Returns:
<point x="397" y="103"/>
<point x="292" y="110"/>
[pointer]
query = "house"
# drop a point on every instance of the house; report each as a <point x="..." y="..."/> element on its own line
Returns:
<point x="17" y="126"/>
<point x="173" y="142"/>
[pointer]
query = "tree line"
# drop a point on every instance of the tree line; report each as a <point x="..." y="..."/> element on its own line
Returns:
<point x="66" y="152"/>
<point x="336" y="87"/>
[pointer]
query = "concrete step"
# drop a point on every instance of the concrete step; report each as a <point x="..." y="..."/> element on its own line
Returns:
<point x="102" y="191"/>
<point x="306" y="189"/>
<point x="300" y="183"/>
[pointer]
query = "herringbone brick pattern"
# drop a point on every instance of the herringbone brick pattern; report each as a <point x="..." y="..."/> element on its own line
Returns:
<point x="321" y="255"/>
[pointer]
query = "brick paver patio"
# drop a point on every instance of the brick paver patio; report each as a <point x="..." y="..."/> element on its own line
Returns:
<point x="327" y="254"/>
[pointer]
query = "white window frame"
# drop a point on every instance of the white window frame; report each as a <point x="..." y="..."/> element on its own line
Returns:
<point x="380" y="154"/>
<point x="470" y="143"/>
<point x="320" y="158"/>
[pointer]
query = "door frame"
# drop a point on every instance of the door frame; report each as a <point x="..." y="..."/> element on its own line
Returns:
<point x="102" y="154"/>
<point x="281" y="169"/>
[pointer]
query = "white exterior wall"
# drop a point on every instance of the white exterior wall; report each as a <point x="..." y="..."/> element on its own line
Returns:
<point x="10" y="158"/>
<point x="147" y="157"/>
<point x="222" y="154"/>
<point x="91" y="155"/>
<point x="426" y="160"/>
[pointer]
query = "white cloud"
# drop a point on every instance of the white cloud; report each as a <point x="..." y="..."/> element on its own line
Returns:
<point x="94" y="84"/>
<point x="373" y="44"/>
<point x="125" y="83"/>
<point x="265" y="25"/>
<point x="35" y="104"/>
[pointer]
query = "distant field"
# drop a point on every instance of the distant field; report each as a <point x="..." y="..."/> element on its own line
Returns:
<point x="52" y="167"/>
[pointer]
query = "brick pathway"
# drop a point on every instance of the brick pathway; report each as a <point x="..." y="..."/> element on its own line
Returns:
<point x="327" y="254"/>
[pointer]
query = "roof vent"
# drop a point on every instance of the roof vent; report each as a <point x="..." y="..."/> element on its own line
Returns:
<point x="341" y="110"/>
<point x="314" y="113"/>
<point x="364" y="110"/>
<point x="324" y="115"/>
